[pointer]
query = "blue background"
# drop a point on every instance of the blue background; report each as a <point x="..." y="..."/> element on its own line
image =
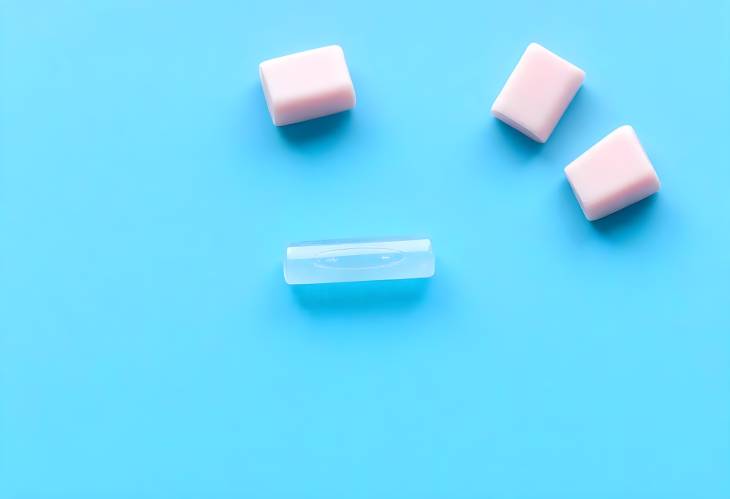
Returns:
<point x="150" y="348"/>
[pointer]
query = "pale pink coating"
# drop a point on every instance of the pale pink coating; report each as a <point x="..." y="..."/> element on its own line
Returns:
<point x="307" y="85"/>
<point x="612" y="174"/>
<point x="538" y="92"/>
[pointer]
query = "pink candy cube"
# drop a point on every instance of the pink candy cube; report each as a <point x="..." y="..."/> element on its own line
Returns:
<point x="537" y="92"/>
<point x="612" y="174"/>
<point x="307" y="85"/>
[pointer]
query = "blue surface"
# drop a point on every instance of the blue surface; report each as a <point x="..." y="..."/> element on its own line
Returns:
<point x="150" y="348"/>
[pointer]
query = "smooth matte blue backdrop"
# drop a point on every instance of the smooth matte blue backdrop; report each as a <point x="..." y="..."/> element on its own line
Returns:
<point x="149" y="347"/>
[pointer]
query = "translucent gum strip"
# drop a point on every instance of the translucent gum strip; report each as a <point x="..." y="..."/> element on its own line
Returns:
<point x="351" y="260"/>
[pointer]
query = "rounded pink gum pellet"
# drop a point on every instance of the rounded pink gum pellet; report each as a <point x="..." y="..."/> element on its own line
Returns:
<point x="307" y="85"/>
<point x="538" y="92"/>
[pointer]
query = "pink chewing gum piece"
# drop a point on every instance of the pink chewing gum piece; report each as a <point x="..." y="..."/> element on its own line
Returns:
<point x="307" y="85"/>
<point x="612" y="174"/>
<point x="538" y="92"/>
